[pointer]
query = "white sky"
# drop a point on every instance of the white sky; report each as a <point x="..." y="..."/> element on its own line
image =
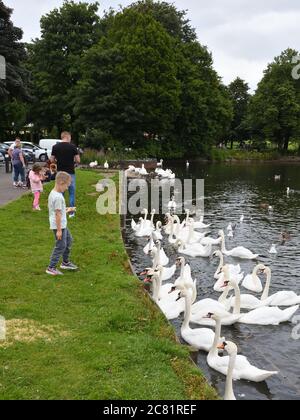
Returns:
<point x="243" y="35"/>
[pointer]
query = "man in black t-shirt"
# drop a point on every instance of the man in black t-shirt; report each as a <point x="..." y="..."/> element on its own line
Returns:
<point x="66" y="155"/>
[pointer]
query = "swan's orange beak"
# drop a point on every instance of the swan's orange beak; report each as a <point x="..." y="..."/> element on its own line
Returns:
<point x="143" y="273"/>
<point x="221" y="346"/>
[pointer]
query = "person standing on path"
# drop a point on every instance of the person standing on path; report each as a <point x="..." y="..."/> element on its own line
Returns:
<point x="18" y="163"/>
<point x="65" y="155"/>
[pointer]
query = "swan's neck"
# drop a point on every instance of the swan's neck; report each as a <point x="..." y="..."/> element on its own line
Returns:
<point x="155" y="289"/>
<point x="191" y="233"/>
<point x="171" y="231"/>
<point x="187" y="313"/>
<point x="146" y="215"/>
<point x="229" y="394"/>
<point x="214" y="350"/>
<point x="224" y="295"/>
<point x="223" y="243"/>
<point x="187" y="216"/>
<point x="220" y="264"/>
<point x="156" y="259"/>
<point x="265" y="294"/>
<point x="237" y="304"/>
<point x="152" y="218"/>
<point x="182" y="272"/>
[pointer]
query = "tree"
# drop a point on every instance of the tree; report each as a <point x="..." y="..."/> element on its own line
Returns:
<point x="274" y="112"/>
<point x="239" y="94"/>
<point x="129" y="85"/>
<point x="55" y="61"/>
<point x="15" y="86"/>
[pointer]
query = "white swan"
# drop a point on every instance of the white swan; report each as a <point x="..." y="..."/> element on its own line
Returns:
<point x="232" y="351"/>
<point x="200" y="338"/>
<point x="242" y="370"/>
<point x="283" y="298"/>
<point x="143" y="170"/>
<point x="233" y="269"/>
<point x="238" y="252"/>
<point x="197" y="224"/>
<point x="157" y="233"/>
<point x="210" y="241"/>
<point x="205" y="305"/>
<point x="158" y="256"/>
<point x="252" y="282"/>
<point x="172" y="204"/>
<point x="193" y="250"/>
<point x="273" y="249"/>
<point x="106" y="165"/>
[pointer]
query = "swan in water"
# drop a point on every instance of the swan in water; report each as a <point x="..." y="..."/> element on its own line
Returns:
<point x="242" y="219"/>
<point x="264" y="315"/>
<point x="200" y="338"/>
<point x="203" y="306"/>
<point x="233" y="269"/>
<point x="172" y="204"/>
<point x="159" y="256"/>
<point x="157" y="233"/>
<point x="238" y="252"/>
<point x="227" y="272"/>
<point x="252" y="282"/>
<point x="230" y="234"/>
<point x="273" y="249"/>
<point x="187" y="164"/>
<point x="243" y="369"/>
<point x="194" y="250"/>
<point x="197" y="224"/>
<point x="232" y="351"/>
<point x="283" y="298"/>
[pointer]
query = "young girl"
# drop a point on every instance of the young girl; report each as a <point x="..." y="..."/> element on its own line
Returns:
<point x="36" y="177"/>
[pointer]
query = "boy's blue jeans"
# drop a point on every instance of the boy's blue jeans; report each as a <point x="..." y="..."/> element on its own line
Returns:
<point x="62" y="248"/>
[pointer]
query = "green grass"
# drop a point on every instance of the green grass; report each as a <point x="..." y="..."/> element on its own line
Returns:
<point x="107" y="339"/>
<point x="221" y="155"/>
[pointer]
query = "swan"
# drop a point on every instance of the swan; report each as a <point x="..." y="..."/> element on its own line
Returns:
<point x="233" y="269"/>
<point x="157" y="233"/>
<point x="106" y="165"/>
<point x="171" y="309"/>
<point x="227" y="318"/>
<point x="150" y="245"/>
<point x="242" y="219"/>
<point x="252" y="282"/>
<point x="136" y="226"/>
<point x="210" y="241"/>
<point x="206" y="305"/>
<point x="143" y="170"/>
<point x="194" y="250"/>
<point x="265" y="315"/>
<point x="243" y="369"/>
<point x="230" y="234"/>
<point x="238" y="252"/>
<point x="187" y="163"/>
<point x="158" y="255"/>
<point x="160" y="163"/>
<point x="218" y="287"/>
<point x="229" y="227"/>
<point x="188" y="234"/>
<point x="197" y="225"/>
<point x="200" y="338"/>
<point x="283" y="298"/>
<point x="273" y="249"/>
<point x="232" y="351"/>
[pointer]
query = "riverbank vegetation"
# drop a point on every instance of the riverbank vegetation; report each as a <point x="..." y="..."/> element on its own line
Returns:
<point x="138" y="81"/>
<point x="91" y="334"/>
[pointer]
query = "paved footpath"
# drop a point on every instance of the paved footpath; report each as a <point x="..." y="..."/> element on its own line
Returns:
<point x="7" y="192"/>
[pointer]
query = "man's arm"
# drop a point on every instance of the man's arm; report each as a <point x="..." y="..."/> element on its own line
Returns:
<point x="53" y="155"/>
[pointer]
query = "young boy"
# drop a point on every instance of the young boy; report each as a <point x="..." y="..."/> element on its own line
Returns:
<point x="58" y="223"/>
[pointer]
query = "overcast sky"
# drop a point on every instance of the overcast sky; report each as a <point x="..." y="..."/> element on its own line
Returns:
<point x="243" y="35"/>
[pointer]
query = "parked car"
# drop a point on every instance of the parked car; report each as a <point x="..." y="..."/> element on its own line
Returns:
<point x="37" y="151"/>
<point x="1" y="158"/>
<point x="48" y="144"/>
<point x="3" y="149"/>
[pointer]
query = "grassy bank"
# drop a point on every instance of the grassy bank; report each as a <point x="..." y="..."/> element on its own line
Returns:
<point x="93" y="334"/>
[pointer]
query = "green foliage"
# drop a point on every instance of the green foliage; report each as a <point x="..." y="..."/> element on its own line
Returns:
<point x="55" y="61"/>
<point x="275" y="108"/>
<point x="239" y="94"/>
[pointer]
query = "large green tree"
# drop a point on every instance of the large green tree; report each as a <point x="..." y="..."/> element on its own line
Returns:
<point x="14" y="88"/>
<point x="274" y="112"/>
<point x="240" y="97"/>
<point x="129" y="85"/>
<point x="55" y="61"/>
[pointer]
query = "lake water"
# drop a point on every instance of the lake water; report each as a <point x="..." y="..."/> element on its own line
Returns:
<point x="230" y="191"/>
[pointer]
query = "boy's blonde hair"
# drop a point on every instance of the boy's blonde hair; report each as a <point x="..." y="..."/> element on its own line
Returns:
<point x="63" y="178"/>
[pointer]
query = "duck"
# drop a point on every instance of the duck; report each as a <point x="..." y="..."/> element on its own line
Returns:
<point x="238" y="252"/>
<point x="243" y="368"/>
<point x="284" y="237"/>
<point x="252" y="282"/>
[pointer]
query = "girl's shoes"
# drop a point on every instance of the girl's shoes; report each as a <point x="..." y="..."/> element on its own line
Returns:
<point x="37" y="208"/>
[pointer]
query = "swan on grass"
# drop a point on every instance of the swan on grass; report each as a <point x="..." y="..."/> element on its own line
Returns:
<point x="238" y="252"/>
<point x="252" y="282"/>
<point x="242" y="369"/>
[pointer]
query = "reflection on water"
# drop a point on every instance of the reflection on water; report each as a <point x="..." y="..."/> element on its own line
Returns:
<point x="232" y="191"/>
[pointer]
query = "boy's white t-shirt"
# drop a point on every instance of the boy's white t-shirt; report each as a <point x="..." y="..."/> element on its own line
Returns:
<point x="56" y="201"/>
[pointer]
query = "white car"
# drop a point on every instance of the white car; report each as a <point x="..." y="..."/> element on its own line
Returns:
<point x="39" y="153"/>
<point x="48" y="144"/>
<point x="1" y="158"/>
